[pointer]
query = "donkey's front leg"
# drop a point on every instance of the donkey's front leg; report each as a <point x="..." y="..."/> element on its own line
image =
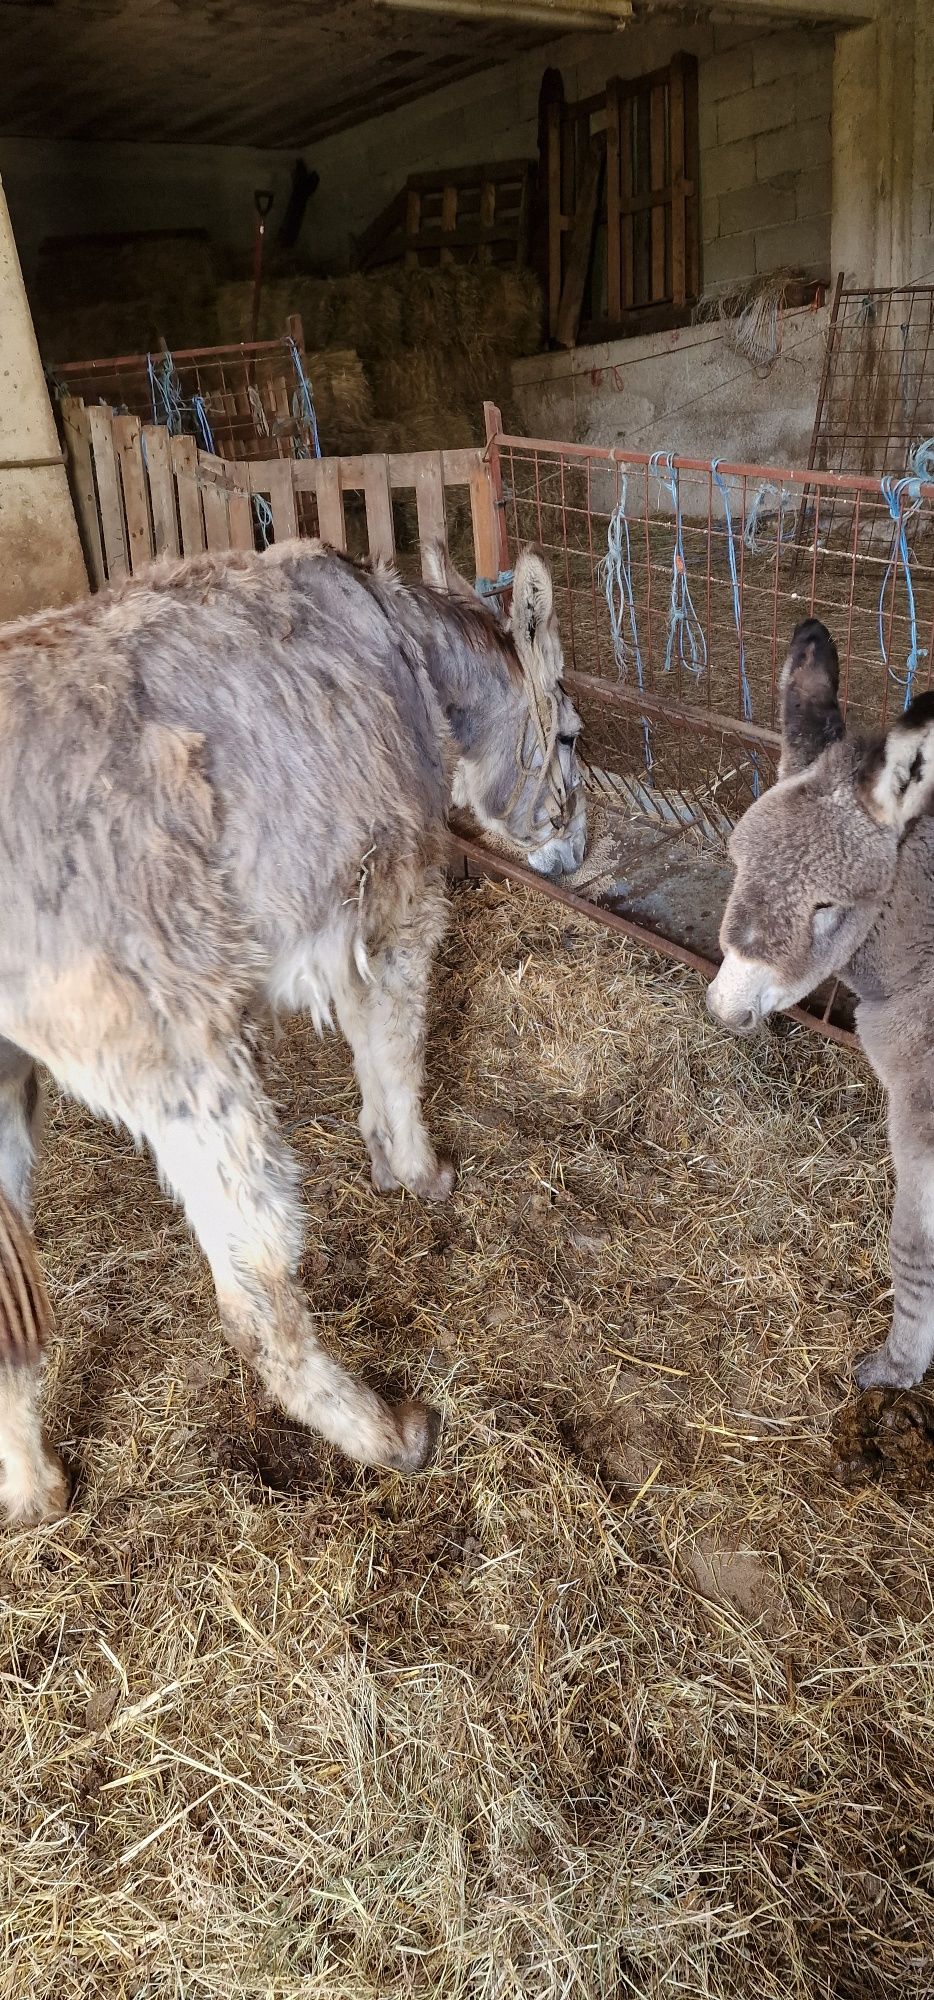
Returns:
<point x="216" y="1145"/>
<point x="384" y="1022"/>
<point x="907" y="1354"/>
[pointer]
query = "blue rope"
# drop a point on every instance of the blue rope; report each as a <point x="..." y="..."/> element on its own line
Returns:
<point x="166" y="394"/>
<point x="894" y="493"/>
<point x="786" y="516"/>
<point x="201" y="419"/>
<point x="303" y="406"/>
<point x="493" y="586"/>
<point x="263" y="514"/>
<point x="684" y="626"/>
<point x="922" y="460"/>
<point x="621" y="603"/>
<point x="720" y="482"/>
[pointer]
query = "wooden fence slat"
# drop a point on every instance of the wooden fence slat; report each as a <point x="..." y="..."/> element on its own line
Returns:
<point x="579" y="248"/>
<point x="128" y="443"/>
<point x="81" y="475"/>
<point x="240" y="509"/>
<point x="278" y="479"/>
<point x="554" y="117"/>
<point x="676" y="171"/>
<point x="613" y="235"/>
<point x="413" y="216"/>
<point x="113" y="531"/>
<point x="331" y="524"/>
<point x="215" y="500"/>
<point x="429" y="505"/>
<point x="161" y="490"/>
<point x="184" y="454"/>
<point x="379" y="525"/>
<point x="448" y="219"/>
<point x="657" y="170"/>
<point x="483" y="517"/>
<point x="628" y="270"/>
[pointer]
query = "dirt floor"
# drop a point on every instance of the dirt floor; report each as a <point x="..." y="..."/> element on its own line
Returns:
<point x="632" y="1694"/>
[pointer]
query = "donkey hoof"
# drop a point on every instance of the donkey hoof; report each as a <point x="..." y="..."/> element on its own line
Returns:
<point x="878" y="1371"/>
<point x="438" y="1186"/>
<point x="44" y="1496"/>
<point x="381" y="1175"/>
<point x="419" y="1428"/>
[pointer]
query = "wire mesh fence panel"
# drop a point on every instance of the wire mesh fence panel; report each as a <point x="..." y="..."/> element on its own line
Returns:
<point x="249" y="399"/>
<point x="682" y="582"/>
<point x="875" y="407"/>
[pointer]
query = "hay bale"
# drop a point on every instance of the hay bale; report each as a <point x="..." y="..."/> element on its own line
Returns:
<point x="343" y="399"/>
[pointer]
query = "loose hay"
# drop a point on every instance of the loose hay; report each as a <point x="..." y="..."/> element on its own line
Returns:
<point x="630" y="1695"/>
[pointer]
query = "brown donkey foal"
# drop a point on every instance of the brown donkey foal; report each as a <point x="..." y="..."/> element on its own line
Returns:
<point x="223" y="786"/>
<point x="835" y="875"/>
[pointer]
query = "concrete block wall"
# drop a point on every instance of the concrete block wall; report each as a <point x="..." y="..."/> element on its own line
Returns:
<point x="765" y="108"/>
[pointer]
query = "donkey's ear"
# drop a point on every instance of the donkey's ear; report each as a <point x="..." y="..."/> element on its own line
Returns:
<point x="534" y="626"/>
<point x="443" y="575"/>
<point x="808" y="687"/>
<point x="897" y="776"/>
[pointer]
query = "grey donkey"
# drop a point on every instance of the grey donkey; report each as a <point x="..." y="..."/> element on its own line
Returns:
<point x="223" y="788"/>
<point x="835" y="875"/>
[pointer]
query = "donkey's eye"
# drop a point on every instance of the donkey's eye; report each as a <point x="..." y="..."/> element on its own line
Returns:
<point x="567" y="742"/>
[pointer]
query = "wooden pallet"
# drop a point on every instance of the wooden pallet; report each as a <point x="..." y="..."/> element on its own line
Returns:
<point x="467" y="215"/>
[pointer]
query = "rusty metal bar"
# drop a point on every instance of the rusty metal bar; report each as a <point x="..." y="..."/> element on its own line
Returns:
<point x="775" y="475"/>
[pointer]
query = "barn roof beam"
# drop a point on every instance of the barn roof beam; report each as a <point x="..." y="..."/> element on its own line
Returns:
<point x="586" y="15"/>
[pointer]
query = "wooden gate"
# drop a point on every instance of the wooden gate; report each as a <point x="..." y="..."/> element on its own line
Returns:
<point x="140" y="493"/>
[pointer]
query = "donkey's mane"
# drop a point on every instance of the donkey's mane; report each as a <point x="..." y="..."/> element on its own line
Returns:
<point x="474" y="624"/>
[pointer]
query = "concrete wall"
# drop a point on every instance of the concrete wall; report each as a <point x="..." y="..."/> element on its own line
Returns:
<point x="765" y="104"/>
<point x="64" y="188"/>
<point x="40" y="555"/>
<point x="687" y="391"/>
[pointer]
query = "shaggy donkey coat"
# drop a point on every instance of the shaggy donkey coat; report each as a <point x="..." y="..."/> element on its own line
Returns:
<point x="224" y="786"/>
<point x="835" y="874"/>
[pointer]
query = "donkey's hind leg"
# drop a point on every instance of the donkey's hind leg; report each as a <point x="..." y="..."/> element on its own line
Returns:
<point x="33" y="1483"/>
<point x="384" y="1021"/>
<point x="20" y="1125"/>
<point x="216" y="1145"/>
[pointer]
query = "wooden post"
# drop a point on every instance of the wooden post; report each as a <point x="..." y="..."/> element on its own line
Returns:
<point x="554" y="120"/>
<point x="429" y="503"/>
<point x="613" y="234"/>
<point x="580" y="245"/>
<point x="679" y="258"/>
<point x="128" y="444"/>
<point x="378" y="500"/>
<point x="161" y="490"/>
<point x="493" y="425"/>
<point x="81" y="480"/>
<point x="109" y="495"/>
<point x="657" y="182"/>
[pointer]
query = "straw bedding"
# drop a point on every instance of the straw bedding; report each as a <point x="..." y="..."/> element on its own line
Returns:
<point x="632" y="1693"/>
